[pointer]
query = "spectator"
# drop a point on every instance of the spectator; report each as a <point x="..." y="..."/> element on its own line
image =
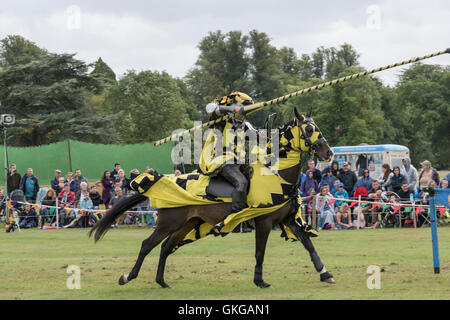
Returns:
<point x="344" y="217"/>
<point x="347" y="177"/>
<point x="84" y="187"/>
<point x="13" y="179"/>
<point x="395" y="181"/>
<point x="388" y="216"/>
<point x="334" y="188"/>
<point x="71" y="182"/>
<point x="375" y="190"/>
<point x="84" y="207"/>
<point x="79" y="213"/>
<point x="60" y="186"/>
<point x="95" y="197"/>
<point x="55" y="182"/>
<point x="107" y="184"/>
<point x="317" y="175"/>
<point x="28" y="218"/>
<point x="177" y="173"/>
<point x="360" y="221"/>
<point x="309" y="201"/>
<point x="361" y="164"/>
<point x="134" y="174"/>
<point x="326" y="210"/>
<point x="428" y="174"/>
<point x="410" y="173"/>
<point x="447" y="177"/>
<point x="116" y="184"/>
<point x="365" y="181"/>
<point x="335" y="168"/>
<point x="29" y="184"/>
<point x="2" y="205"/>
<point x="374" y="195"/>
<point x="386" y="174"/>
<point x="78" y="180"/>
<point x="444" y="184"/>
<point x="46" y="213"/>
<point x="115" y="172"/>
<point x="404" y="192"/>
<point x="117" y="197"/>
<point x="340" y="194"/>
<point x="327" y="178"/>
<point x="309" y="183"/>
<point x="66" y="197"/>
<point x="124" y="182"/>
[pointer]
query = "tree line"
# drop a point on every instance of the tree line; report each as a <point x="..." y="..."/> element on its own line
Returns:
<point x="57" y="97"/>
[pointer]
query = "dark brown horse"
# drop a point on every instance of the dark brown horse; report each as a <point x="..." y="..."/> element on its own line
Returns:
<point x="174" y="224"/>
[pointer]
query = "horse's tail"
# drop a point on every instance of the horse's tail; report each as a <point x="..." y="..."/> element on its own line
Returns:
<point x="104" y="224"/>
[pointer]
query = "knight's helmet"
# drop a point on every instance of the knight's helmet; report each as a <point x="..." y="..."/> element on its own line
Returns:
<point x="236" y="97"/>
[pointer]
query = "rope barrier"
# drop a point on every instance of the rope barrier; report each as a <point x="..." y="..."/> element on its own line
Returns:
<point x="38" y="205"/>
<point x="141" y="212"/>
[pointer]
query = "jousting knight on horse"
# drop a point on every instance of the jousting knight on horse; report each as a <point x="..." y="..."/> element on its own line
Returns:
<point x="190" y="207"/>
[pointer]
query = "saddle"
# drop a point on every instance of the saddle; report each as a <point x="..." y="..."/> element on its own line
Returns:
<point x="219" y="187"/>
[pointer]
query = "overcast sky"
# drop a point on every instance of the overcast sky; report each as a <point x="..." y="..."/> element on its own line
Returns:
<point x="163" y="35"/>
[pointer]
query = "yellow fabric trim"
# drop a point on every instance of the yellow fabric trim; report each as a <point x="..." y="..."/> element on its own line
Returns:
<point x="228" y="224"/>
<point x="299" y="219"/>
<point x="166" y="193"/>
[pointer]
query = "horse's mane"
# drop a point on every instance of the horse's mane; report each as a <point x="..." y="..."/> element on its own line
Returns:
<point x="285" y="127"/>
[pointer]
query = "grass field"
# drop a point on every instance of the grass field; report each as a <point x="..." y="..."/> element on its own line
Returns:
<point x="33" y="265"/>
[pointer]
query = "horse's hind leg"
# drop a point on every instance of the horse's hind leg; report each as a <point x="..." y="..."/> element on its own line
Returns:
<point x="263" y="226"/>
<point x="307" y="243"/>
<point x="167" y="247"/>
<point x="147" y="246"/>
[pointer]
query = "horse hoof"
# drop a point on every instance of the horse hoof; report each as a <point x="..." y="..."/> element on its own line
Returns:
<point x="330" y="280"/>
<point x="123" y="279"/>
<point x="327" y="277"/>
<point x="164" y="285"/>
<point x="264" y="285"/>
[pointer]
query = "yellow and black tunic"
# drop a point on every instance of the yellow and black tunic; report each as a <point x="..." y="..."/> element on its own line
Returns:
<point x="225" y="141"/>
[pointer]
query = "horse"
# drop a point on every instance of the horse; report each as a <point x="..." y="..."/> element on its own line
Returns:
<point x="174" y="224"/>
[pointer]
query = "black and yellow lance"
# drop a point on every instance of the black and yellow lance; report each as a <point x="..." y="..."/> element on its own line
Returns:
<point x="257" y="106"/>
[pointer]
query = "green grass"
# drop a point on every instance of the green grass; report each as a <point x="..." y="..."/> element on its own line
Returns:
<point x="33" y="266"/>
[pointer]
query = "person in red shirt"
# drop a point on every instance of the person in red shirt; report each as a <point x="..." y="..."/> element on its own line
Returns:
<point x="66" y="197"/>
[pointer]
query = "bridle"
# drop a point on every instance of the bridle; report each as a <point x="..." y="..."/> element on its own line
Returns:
<point x="312" y="146"/>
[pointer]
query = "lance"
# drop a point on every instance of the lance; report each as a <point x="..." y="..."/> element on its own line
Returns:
<point x="258" y="106"/>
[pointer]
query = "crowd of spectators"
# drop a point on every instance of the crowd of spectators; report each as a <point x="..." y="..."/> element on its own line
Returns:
<point x="79" y="203"/>
<point x="335" y="187"/>
<point x="398" y="186"/>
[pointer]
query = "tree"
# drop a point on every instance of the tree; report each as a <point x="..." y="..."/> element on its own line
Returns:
<point x="148" y="106"/>
<point x="48" y="96"/>
<point x="222" y="67"/>
<point x="104" y="74"/>
<point x="423" y="113"/>
<point x="16" y="50"/>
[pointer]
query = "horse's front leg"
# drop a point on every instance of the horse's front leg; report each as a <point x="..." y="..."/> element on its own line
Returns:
<point x="263" y="226"/>
<point x="303" y="236"/>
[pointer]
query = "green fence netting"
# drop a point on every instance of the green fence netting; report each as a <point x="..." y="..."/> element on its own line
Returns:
<point x="92" y="159"/>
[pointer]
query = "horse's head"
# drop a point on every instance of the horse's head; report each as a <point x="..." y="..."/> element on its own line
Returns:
<point x="311" y="139"/>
